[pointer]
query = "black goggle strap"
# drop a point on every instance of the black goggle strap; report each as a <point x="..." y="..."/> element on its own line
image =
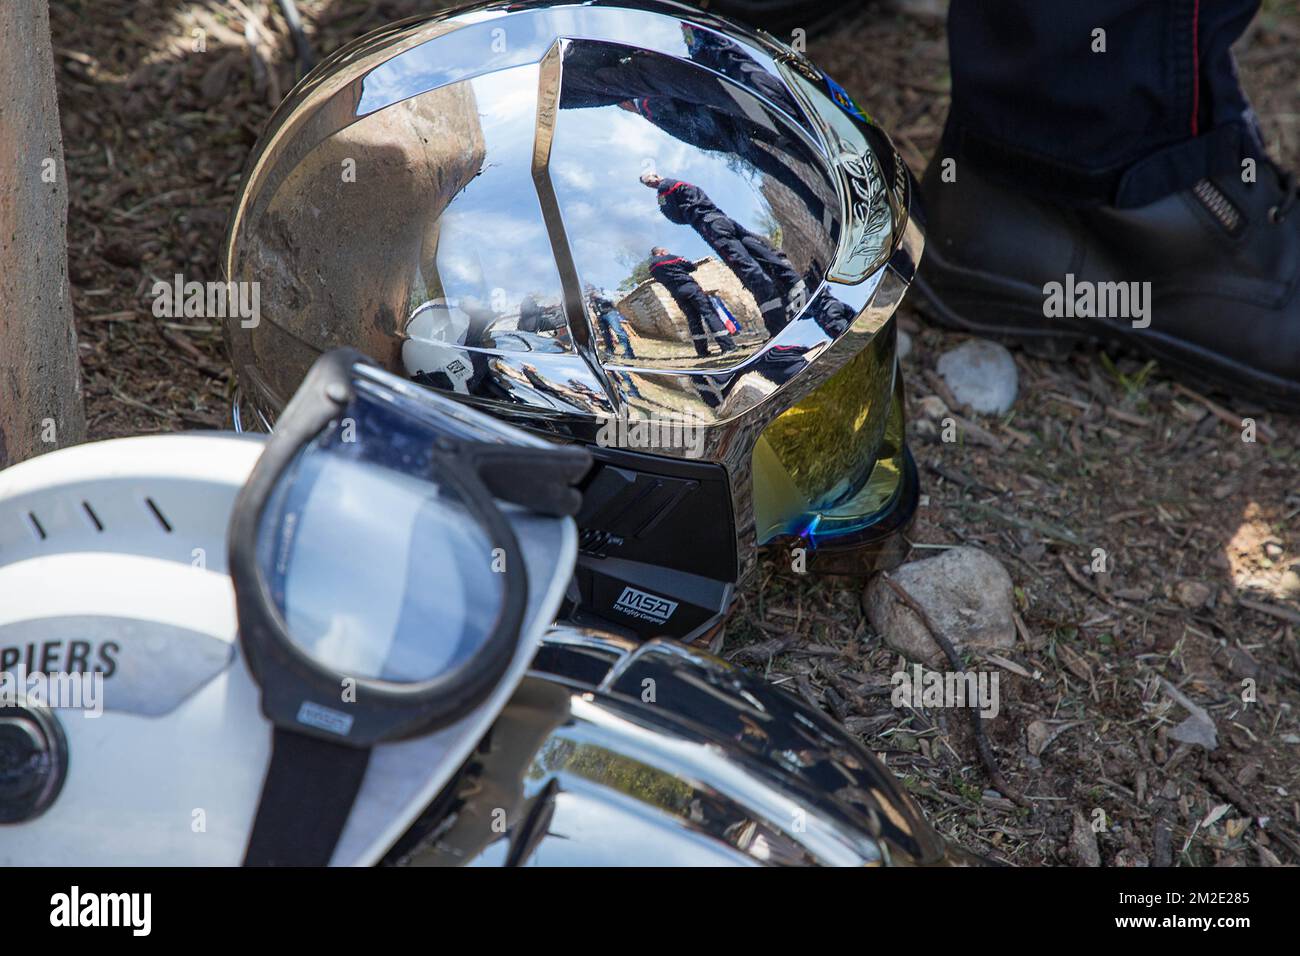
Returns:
<point x="306" y="800"/>
<point x="539" y="479"/>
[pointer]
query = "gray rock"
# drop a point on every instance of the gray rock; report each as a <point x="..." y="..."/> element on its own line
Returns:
<point x="904" y="344"/>
<point x="1083" y="842"/>
<point x="1193" y="594"/>
<point x="1197" y="730"/>
<point x="981" y="374"/>
<point x="966" y="594"/>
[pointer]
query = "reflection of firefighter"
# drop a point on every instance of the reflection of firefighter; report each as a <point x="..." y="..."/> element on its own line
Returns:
<point x="674" y="274"/>
<point x="716" y="52"/>
<point x="694" y="106"/>
<point x="534" y="318"/>
<point x="831" y="315"/>
<point x="764" y="271"/>
<point x="610" y="323"/>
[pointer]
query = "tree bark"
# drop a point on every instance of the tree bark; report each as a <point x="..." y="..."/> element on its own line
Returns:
<point x="40" y="388"/>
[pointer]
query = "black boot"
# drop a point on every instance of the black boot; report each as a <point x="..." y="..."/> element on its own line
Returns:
<point x="1222" y="261"/>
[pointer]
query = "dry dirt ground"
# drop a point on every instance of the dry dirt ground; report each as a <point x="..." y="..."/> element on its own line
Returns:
<point x="1199" y="527"/>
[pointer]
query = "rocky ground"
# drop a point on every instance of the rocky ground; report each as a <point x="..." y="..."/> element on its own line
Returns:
<point x="1122" y="736"/>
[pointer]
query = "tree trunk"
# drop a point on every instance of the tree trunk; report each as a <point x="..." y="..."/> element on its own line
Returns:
<point x="40" y="389"/>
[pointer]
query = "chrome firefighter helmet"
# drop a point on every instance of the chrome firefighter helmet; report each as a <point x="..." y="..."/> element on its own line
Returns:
<point x="647" y="230"/>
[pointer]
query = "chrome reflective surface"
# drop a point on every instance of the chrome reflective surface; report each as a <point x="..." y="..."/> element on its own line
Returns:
<point x="576" y="213"/>
<point x="595" y="762"/>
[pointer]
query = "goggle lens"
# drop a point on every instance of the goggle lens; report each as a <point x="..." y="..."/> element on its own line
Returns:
<point x="364" y="543"/>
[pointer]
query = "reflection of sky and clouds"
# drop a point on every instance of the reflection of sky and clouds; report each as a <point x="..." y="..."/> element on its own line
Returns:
<point x="493" y="247"/>
<point x="611" y="219"/>
<point x="492" y="244"/>
<point x="475" y="50"/>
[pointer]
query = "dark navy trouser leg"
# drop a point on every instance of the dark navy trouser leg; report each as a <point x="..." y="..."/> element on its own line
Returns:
<point x="1160" y="109"/>
<point x="727" y="241"/>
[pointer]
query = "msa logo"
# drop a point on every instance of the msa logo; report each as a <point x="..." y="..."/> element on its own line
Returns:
<point x="647" y="607"/>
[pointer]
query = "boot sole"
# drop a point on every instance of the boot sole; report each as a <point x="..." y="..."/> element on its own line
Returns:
<point x="1024" y="325"/>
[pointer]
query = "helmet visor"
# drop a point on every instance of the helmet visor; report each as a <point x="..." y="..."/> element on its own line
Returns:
<point x="832" y="465"/>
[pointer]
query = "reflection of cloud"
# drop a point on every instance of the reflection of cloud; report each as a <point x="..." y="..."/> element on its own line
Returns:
<point x="455" y="267"/>
<point x="492" y="236"/>
<point x="480" y="251"/>
<point x="635" y="207"/>
<point x="572" y="174"/>
<point x="626" y="131"/>
<point x="512" y="95"/>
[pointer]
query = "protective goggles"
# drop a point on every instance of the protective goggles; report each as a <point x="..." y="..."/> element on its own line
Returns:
<point x="380" y="585"/>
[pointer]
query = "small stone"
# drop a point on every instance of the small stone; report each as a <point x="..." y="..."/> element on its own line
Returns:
<point x="1083" y="842"/>
<point x="1224" y="489"/>
<point x="1290" y="583"/>
<point x="1192" y="594"/>
<point x="981" y="374"/>
<point x="904" y="345"/>
<point x="1197" y="730"/>
<point x="965" y="592"/>
<point x="1272" y="549"/>
<point x="932" y="407"/>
